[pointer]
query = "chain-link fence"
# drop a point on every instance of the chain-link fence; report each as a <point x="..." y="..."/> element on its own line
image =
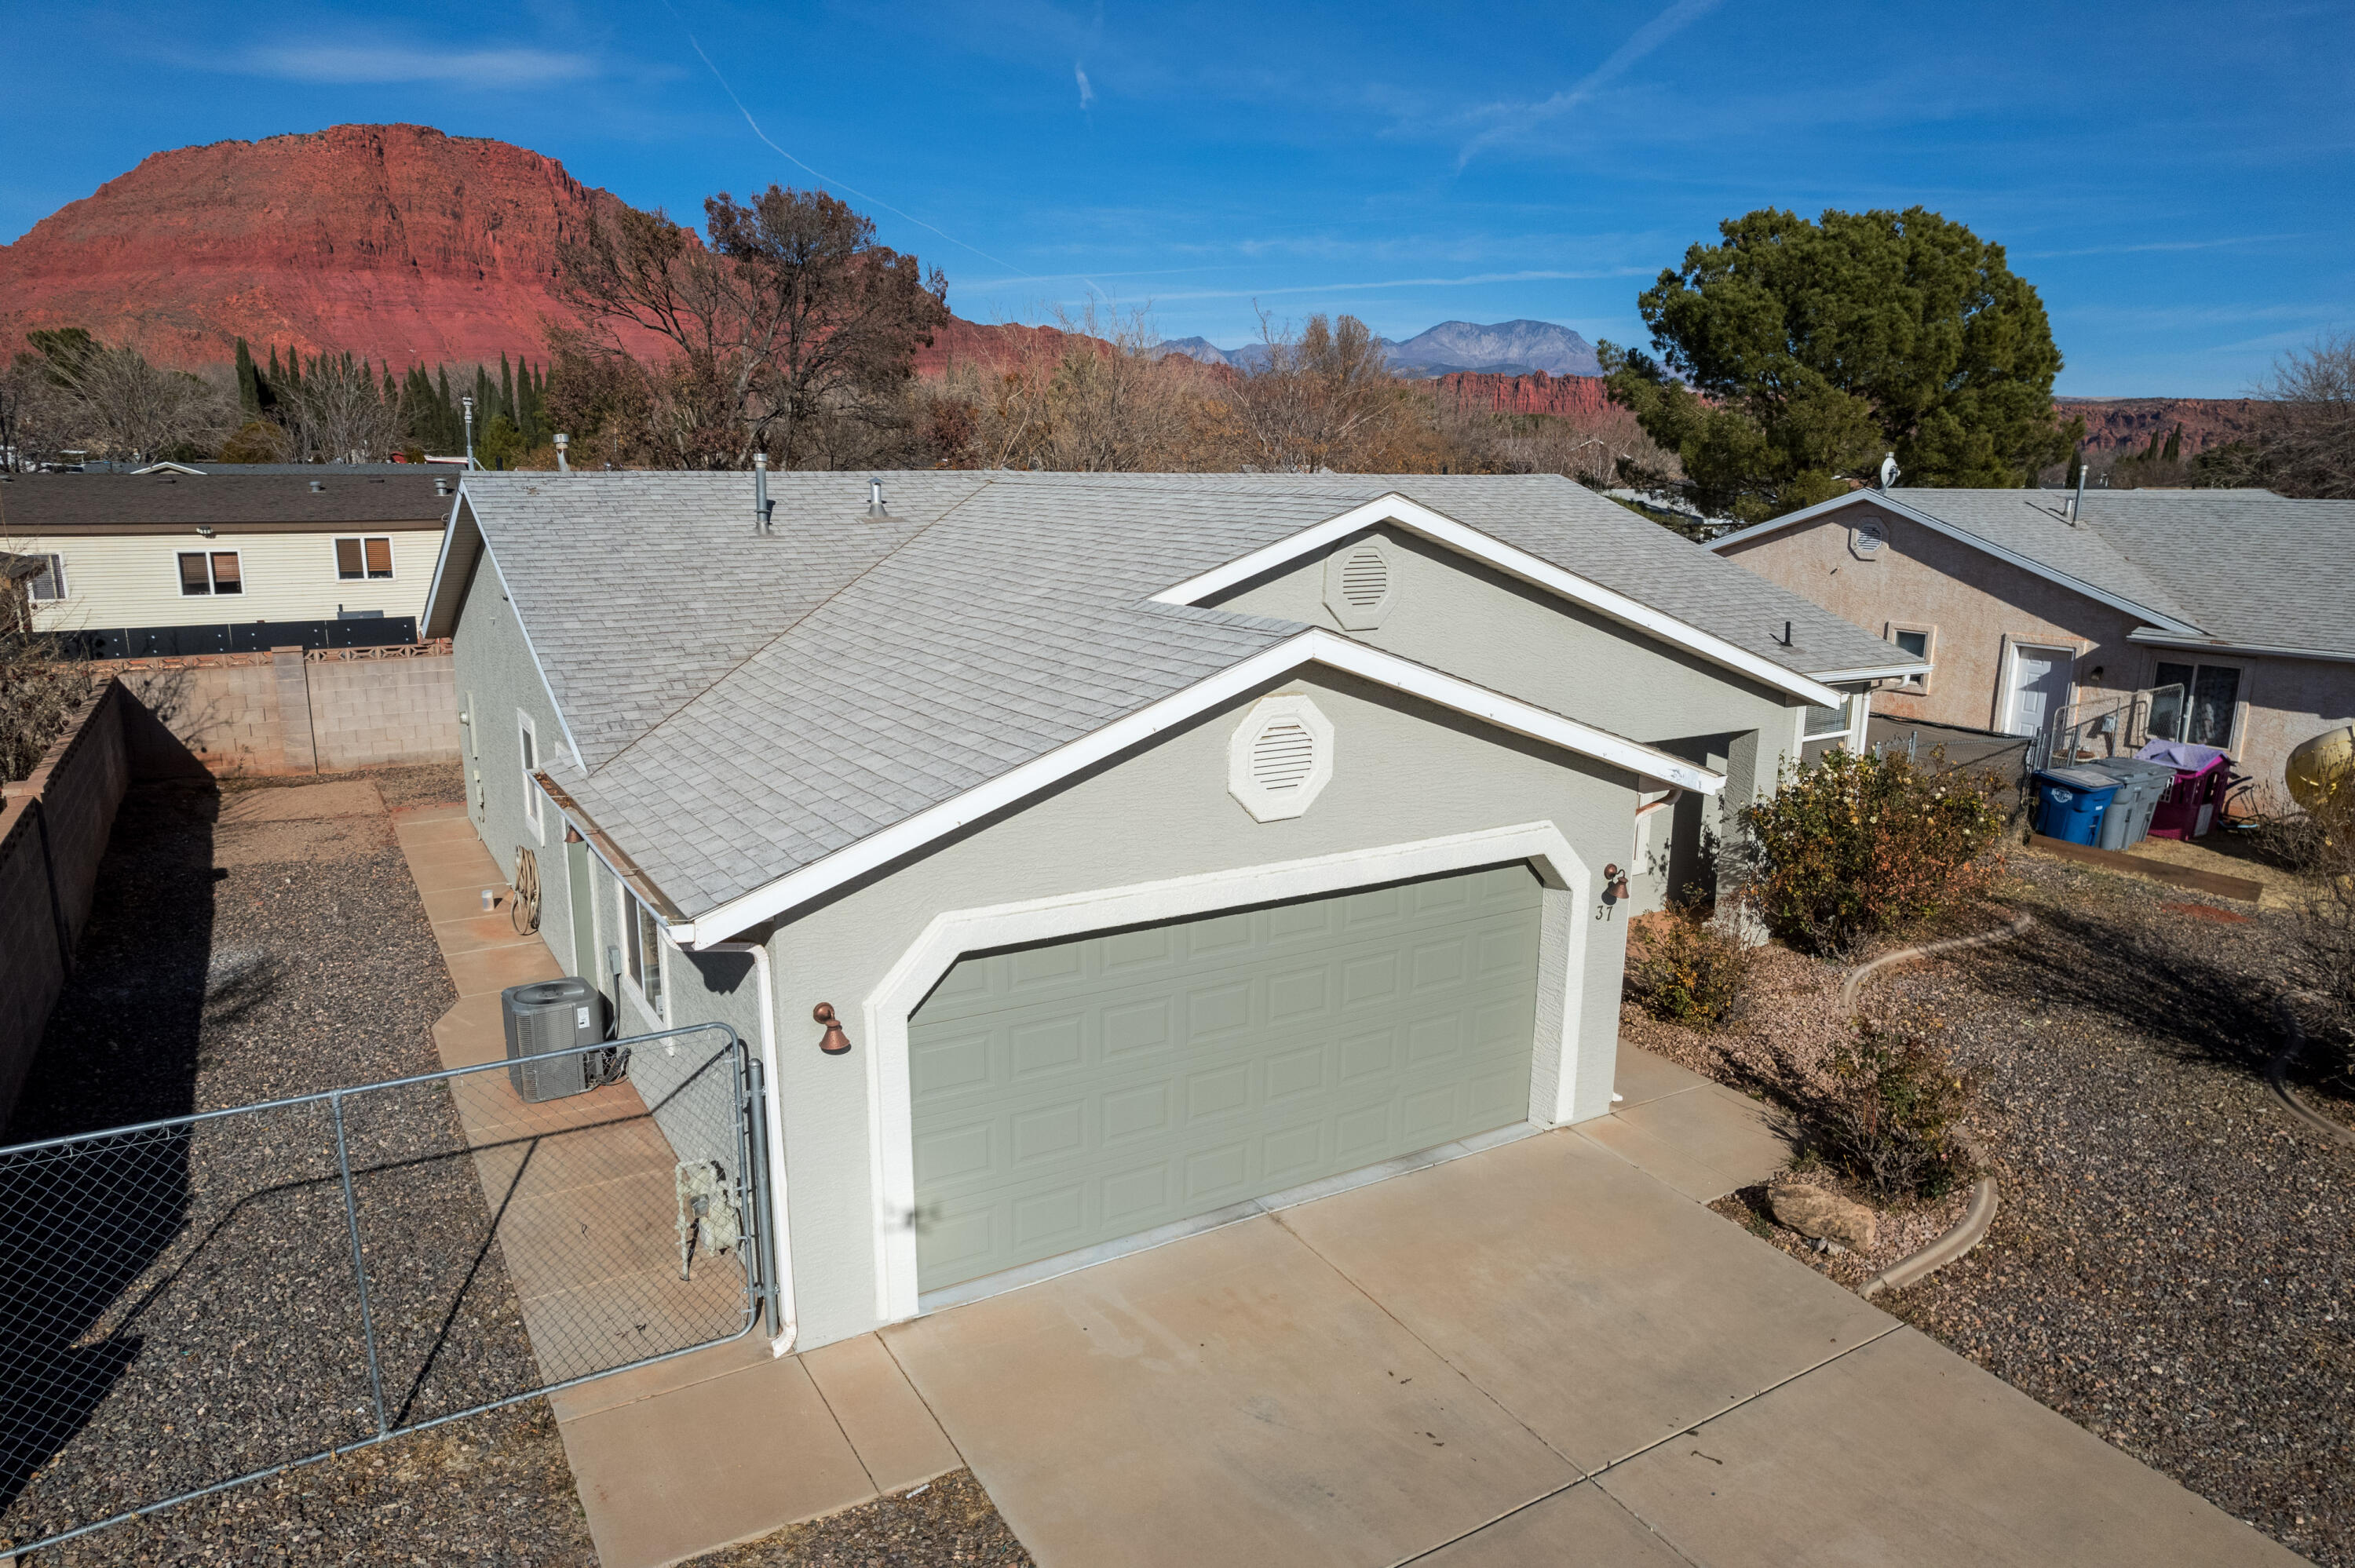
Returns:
<point x="189" y="1304"/>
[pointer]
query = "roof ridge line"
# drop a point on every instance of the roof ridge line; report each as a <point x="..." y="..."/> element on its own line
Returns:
<point x="868" y="570"/>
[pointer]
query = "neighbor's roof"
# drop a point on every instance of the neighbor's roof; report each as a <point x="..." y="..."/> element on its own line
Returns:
<point x="34" y="504"/>
<point x="744" y="706"/>
<point x="2241" y="568"/>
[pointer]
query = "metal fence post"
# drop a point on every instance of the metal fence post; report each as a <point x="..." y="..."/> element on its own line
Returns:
<point x="359" y="1262"/>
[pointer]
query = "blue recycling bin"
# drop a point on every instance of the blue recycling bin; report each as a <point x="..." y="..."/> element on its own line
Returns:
<point x="2070" y="802"/>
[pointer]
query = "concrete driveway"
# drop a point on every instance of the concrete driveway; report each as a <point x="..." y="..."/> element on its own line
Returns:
<point x="1539" y="1354"/>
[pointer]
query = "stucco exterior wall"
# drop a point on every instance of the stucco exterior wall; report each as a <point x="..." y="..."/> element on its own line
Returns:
<point x="2285" y="703"/>
<point x="1404" y="772"/>
<point x="288" y="712"/>
<point x="1972" y="604"/>
<point x="1465" y="616"/>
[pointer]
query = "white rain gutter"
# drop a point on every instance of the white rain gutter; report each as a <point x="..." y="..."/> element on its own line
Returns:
<point x="2150" y="638"/>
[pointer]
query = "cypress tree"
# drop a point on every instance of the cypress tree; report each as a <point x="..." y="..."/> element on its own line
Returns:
<point x="506" y="390"/>
<point x="2175" y="443"/>
<point x="249" y="392"/>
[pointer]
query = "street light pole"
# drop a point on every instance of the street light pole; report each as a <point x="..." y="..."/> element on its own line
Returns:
<point x="469" y="401"/>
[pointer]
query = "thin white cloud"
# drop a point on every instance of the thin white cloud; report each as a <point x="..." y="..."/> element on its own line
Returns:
<point x="401" y="63"/>
<point x="2160" y="245"/>
<point x="1588" y="275"/>
<point x="1520" y="120"/>
<point x="1087" y="93"/>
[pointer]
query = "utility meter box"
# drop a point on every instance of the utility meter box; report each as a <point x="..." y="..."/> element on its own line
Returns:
<point x="548" y="1017"/>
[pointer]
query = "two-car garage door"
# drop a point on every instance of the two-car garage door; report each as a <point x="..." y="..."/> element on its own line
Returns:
<point x="1075" y="1094"/>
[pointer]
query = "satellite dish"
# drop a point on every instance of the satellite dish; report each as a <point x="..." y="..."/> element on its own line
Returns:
<point x="1888" y="471"/>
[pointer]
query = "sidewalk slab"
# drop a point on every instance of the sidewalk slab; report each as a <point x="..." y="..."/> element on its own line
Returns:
<point x="896" y="1437"/>
<point x="1642" y="1076"/>
<point x="1600" y="1307"/>
<point x="1582" y="1525"/>
<point x="1228" y="1398"/>
<point x="1903" y="1452"/>
<point x="700" y="1467"/>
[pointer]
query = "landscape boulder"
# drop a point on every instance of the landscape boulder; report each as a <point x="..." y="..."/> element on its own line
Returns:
<point x="1813" y="1212"/>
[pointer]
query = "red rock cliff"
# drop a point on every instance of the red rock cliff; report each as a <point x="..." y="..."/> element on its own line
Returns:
<point x="394" y="241"/>
<point x="1536" y="393"/>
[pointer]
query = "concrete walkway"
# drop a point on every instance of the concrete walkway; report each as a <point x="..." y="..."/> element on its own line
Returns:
<point x="1537" y="1353"/>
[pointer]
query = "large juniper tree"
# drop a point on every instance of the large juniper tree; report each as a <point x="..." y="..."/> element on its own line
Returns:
<point x="1793" y="355"/>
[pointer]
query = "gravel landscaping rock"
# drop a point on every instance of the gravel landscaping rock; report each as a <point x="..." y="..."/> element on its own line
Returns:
<point x="2173" y="1263"/>
<point x="944" y="1521"/>
<point x="184" y="1309"/>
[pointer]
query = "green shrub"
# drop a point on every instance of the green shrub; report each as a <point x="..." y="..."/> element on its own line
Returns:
<point x="1857" y="845"/>
<point x="1890" y="1121"/>
<point x="1681" y="970"/>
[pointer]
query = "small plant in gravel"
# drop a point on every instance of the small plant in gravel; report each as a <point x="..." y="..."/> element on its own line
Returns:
<point x="1889" y="1119"/>
<point x="1858" y="845"/>
<point x="1681" y="970"/>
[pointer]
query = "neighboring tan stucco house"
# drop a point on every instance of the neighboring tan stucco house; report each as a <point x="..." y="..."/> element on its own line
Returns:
<point x="1165" y="843"/>
<point x="2034" y="609"/>
<point x="183" y="561"/>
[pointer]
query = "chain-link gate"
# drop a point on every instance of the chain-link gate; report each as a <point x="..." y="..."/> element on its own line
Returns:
<point x="192" y="1304"/>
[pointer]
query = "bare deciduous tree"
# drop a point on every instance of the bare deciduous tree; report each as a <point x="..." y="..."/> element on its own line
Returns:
<point x="2305" y="440"/>
<point x="1324" y="398"/>
<point x="110" y="401"/>
<point x="337" y="412"/>
<point x="1099" y="395"/>
<point x="793" y="331"/>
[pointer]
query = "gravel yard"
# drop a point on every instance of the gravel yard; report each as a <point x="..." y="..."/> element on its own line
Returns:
<point x="944" y="1521"/>
<point x="2173" y="1265"/>
<point x="183" y="1310"/>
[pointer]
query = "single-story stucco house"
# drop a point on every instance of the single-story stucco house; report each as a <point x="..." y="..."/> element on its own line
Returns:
<point x="181" y="561"/>
<point x="2220" y="616"/>
<point x="1163" y="843"/>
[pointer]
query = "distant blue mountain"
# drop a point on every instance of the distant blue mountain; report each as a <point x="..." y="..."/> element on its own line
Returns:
<point x="1508" y="347"/>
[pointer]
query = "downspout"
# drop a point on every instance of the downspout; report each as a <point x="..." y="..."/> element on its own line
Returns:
<point x="780" y="1243"/>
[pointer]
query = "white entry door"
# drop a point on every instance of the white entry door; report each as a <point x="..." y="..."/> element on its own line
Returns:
<point x="2040" y="686"/>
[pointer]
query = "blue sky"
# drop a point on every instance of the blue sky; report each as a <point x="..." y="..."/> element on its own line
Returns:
<point x="2175" y="180"/>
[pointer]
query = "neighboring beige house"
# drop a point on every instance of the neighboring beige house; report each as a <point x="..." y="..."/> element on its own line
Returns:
<point x="184" y="562"/>
<point x="2215" y="616"/>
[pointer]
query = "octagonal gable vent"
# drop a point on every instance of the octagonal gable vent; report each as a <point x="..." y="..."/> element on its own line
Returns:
<point x="1360" y="584"/>
<point x="1280" y="759"/>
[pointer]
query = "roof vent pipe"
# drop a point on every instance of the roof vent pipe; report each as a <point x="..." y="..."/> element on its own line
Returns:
<point x="875" y="507"/>
<point x="762" y="506"/>
<point x="562" y="441"/>
<point x="2078" y="499"/>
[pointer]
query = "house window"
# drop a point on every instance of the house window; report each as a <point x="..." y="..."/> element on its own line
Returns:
<point x="644" y="951"/>
<point x="1915" y="642"/>
<point x="48" y="583"/>
<point x="527" y="748"/>
<point x="1825" y="723"/>
<point x="209" y="572"/>
<point x="358" y="559"/>
<point x="2195" y="703"/>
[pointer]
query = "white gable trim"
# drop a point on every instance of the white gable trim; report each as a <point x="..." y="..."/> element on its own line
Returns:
<point x="1963" y="535"/>
<point x="1440" y="529"/>
<point x="1314" y="647"/>
<point x="433" y="610"/>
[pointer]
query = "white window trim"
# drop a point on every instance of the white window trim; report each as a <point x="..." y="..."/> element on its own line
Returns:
<point x="391" y="554"/>
<point x="1265" y="805"/>
<point x="631" y="903"/>
<point x="2245" y="669"/>
<point x="529" y="762"/>
<point x="1558" y="1096"/>
<point x="56" y="572"/>
<point x="212" y="585"/>
<point x="1916" y="685"/>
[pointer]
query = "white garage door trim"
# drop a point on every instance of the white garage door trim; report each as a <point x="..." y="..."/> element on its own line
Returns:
<point x="1561" y="957"/>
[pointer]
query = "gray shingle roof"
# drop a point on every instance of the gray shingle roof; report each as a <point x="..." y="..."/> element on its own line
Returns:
<point x="2242" y="566"/>
<point x="747" y="705"/>
<point x="35" y="502"/>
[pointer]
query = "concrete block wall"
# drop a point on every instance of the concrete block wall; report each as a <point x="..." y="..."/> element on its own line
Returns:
<point x="367" y="712"/>
<point x="285" y="713"/>
<point x="53" y="830"/>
